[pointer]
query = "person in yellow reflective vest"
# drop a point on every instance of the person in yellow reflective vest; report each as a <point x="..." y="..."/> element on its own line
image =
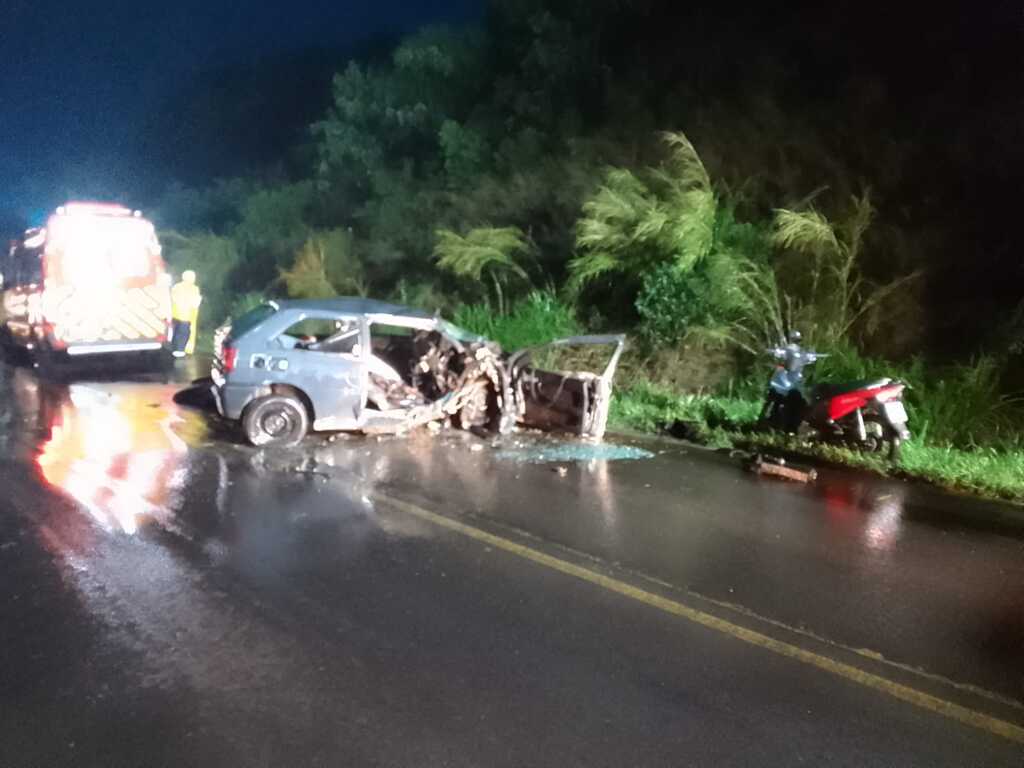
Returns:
<point x="185" y="301"/>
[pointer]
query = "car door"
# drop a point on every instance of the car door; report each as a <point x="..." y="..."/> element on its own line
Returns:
<point x="568" y="401"/>
<point x="322" y="354"/>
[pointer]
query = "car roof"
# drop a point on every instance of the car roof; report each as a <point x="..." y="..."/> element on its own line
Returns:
<point x="353" y="306"/>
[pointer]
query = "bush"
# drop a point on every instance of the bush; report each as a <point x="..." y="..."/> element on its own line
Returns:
<point x="965" y="407"/>
<point x="670" y="302"/>
<point x="846" y="363"/>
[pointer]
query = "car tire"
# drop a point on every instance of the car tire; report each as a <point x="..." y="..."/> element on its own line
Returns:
<point x="275" y="420"/>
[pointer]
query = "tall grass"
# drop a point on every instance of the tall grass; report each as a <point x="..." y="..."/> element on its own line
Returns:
<point x="964" y="406"/>
<point x="968" y="434"/>
<point x="825" y="281"/>
<point x="535" y="320"/>
<point x="650" y="408"/>
<point x="989" y="471"/>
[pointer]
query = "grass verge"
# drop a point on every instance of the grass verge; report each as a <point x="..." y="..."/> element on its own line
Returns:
<point x="728" y="422"/>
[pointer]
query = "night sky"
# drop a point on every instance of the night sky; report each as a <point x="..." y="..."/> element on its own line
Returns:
<point x="90" y="92"/>
<point x="117" y="99"/>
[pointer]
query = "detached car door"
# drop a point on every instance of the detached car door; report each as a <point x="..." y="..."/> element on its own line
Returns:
<point x="322" y="355"/>
<point x="569" y="401"/>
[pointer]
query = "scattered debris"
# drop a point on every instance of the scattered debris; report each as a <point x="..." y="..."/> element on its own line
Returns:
<point x="545" y="453"/>
<point x="562" y="471"/>
<point x="775" y="466"/>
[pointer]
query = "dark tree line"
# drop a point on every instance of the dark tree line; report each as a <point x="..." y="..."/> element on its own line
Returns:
<point x="499" y="140"/>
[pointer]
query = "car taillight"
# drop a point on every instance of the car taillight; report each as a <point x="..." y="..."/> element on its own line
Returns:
<point x="229" y="358"/>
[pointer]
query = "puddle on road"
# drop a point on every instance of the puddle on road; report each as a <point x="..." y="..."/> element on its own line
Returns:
<point x="120" y="449"/>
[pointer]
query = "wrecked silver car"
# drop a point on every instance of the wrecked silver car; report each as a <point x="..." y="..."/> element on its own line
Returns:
<point x="361" y="365"/>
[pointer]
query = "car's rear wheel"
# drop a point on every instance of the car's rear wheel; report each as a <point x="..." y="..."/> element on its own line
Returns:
<point x="275" y="420"/>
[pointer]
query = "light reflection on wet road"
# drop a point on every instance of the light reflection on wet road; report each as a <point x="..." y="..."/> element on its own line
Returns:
<point x="249" y="583"/>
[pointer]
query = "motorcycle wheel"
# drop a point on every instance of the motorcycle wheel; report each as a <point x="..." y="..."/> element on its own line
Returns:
<point x="875" y="441"/>
<point x="879" y="438"/>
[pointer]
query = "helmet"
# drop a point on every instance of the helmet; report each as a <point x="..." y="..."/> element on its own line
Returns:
<point x="795" y="337"/>
<point x="188" y="276"/>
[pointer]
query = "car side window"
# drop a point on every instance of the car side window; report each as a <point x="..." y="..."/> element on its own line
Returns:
<point x="338" y="336"/>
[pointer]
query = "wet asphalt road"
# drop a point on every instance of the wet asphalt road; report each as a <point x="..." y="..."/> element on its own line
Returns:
<point x="171" y="597"/>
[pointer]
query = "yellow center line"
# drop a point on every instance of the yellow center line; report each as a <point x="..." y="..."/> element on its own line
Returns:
<point x="906" y="693"/>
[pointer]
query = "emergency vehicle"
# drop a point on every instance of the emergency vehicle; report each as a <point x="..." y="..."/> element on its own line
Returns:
<point x="92" y="281"/>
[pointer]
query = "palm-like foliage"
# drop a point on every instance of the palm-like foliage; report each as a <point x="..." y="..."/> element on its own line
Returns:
<point x="487" y="250"/>
<point x="324" y="267"/>
<point x="307" y="277"/>
<point x="836" y="295"/>
<point x="632" y="224"/>
<point x="764" y="312"/>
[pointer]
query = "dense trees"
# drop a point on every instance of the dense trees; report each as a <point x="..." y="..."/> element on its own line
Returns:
<point x="703" y="177"/>
<point x="529" y="151"/>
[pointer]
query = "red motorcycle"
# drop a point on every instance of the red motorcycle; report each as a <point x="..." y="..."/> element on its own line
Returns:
<point x="868" y="415"/>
